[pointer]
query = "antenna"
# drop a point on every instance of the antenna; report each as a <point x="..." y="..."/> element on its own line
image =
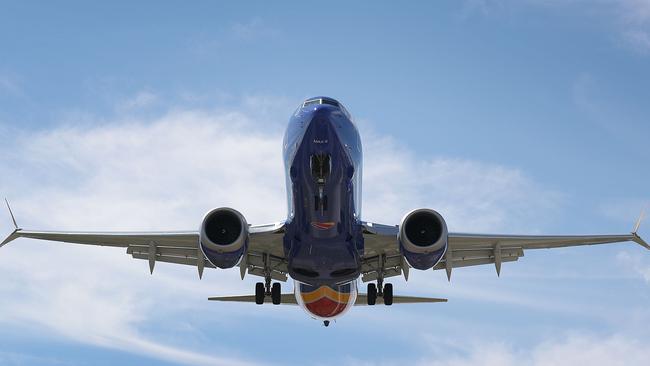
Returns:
<point x="12" y="214"/>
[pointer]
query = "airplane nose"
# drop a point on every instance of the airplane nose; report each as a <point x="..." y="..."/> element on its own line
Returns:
<point x="322" y="111"/>
<point x="321" y="131"/>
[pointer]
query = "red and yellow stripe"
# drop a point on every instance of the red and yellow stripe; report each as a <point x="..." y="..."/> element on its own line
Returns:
<point x="325" y="302"/>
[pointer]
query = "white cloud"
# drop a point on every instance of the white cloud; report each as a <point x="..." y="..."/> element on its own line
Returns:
<point x="628" y="20"/>
<point x="162" y="174"/>
<point x="142" y="99"/>
<point x="472" y="195"/>
<point x="575" y="349"/>
<point x="638" y="39"/>
<point x="636" y="11"/>
<point x="482" y="7"/>
<point x="636" y="264"/>
<point x="255" y="28"/>
<point x="578" y="349"/>
<point x="249" y="31"/>
<point x="635" y="23"/>
<point x="9" y="85"/>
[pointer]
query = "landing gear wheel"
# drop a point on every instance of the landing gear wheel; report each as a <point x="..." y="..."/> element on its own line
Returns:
<point x="276" y="294"/>
<point x="388" y="294"/>
<point x="372" y="294"/>
<point x="259" y="293"/>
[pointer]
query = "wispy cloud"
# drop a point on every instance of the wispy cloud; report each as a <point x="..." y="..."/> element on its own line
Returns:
<point x="573" y="349"/>
<point x="640" y="266"/>
<point x="472" y="195"/>
<point x="249" y="31"/>
<point x="254" y="28"/>
<point x="9" y="85"/>
<point x="141" y="99"/>
<point x="634" y="21"/>
<point x="567" y="350"/>
<point x="638" y="39"/>
<point x="628" y="20"/>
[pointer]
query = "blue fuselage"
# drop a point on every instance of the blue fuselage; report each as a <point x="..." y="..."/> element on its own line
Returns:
<point x="323" y="161"/>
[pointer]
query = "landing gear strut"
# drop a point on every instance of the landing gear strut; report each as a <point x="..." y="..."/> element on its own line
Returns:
<point x="262" y="291"/>
<point x="380" y="290"/>
<point x="386" y="293"/>
<point x="267" y="289"/>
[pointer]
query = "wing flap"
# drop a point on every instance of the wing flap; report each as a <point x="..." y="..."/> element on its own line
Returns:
<point x="473" y="262"/>
<point x="164" y="251"/>
<point x="176" y="260"/>
<point x="481" y="253"/>
<point x="470" y="241"/>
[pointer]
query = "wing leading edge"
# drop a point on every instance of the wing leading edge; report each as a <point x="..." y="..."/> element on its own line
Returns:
<point x="471" y="249"/>
<point x="178" y="247"/>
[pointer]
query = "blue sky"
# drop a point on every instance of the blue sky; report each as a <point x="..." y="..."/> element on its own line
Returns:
<point x="506" y="116"/>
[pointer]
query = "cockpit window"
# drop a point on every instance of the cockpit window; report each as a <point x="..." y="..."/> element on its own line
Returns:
<point x="321" y="101"/>
<point x="330" y="102"/>
<point x="311" y="101"/>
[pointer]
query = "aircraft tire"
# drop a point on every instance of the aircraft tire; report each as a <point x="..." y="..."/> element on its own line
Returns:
<point x="259" y="293"/>
<point x="388" y="294"/>
<point x="276" y="294"/>
<point x="372" y="294"/>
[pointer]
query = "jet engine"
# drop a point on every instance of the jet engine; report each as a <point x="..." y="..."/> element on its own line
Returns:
<point x="224" y="236"/>
<point x="423" y="238"/>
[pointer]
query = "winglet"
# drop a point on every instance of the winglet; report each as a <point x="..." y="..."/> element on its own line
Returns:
<point x="13" y="236"/>
<point x="637" y="239"/>
<point x="638" y="222"/>
<point x="13" y="218"/>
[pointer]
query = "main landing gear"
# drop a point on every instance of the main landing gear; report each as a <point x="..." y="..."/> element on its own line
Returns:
<point x="264" y="290"/>
<point x="385" y="292"/>
<point x="381" y="290"/>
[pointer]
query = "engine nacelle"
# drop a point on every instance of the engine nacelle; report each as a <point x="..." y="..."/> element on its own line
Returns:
<point x="224" y="236"/>
<point x="423" y="238"/>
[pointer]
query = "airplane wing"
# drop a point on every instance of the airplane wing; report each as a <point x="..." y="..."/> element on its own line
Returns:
<point x="290" y="299"/>
<point x="179" y="247"/>
<point x="382" y="250"/>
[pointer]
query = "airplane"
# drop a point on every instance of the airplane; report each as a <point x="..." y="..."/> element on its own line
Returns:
<point x="323" y="245"/>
